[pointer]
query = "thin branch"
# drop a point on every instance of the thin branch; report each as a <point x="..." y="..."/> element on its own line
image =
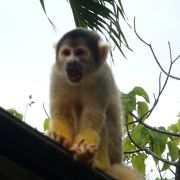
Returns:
<point x="152" y="51"/>
<point x="154" y="128"/>
<point x="170" y="52"/>
<point x="159" y="82"/>
<point x="172" y="171"/>
<point x="25" y="112"/>
<point x="45" y="111"/>
<point x="132" y="152"/>
<point x="159" y="171"/>
<point x="176" y="58"/>
<point x="133" y="122"/>
<point x="148" y="113"/>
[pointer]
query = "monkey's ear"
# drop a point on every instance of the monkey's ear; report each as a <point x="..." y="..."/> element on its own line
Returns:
<point x="104" y="48"/>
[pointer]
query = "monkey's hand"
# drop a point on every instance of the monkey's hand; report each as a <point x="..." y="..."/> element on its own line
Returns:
<point x="85" y="147"/>
<point x="61" y="132"/>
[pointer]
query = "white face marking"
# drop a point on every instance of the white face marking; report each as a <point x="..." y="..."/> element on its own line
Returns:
<point x="70" y="53"/>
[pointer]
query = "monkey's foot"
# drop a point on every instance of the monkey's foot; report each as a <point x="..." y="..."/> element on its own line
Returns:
<point x="83" y="152"/>
<point x="60" y="139"/>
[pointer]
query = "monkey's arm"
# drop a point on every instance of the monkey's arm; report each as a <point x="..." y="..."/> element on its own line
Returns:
<point x="60" y="123"/>
<point x="60" y="128"/>
<point x="60" y="131"/>
<point x="89" y="127"/>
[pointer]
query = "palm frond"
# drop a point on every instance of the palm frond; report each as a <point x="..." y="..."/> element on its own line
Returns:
<point x="103" y="16"/>
<point x="44" y="9"/>
<point x="99" y="15"/>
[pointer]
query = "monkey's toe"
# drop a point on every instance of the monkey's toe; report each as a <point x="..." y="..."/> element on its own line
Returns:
<point x="60" y="139"/>
<point x="84" y="153"/>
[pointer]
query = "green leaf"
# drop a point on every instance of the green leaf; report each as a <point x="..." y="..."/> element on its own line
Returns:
<point x="176" y="141"/>
<point x="165" y="166"/>
<point x="130" y="119"/>
<point x="15" y="113"/>
<point x="158" y="141"/>
<point x="138" y="162"/>
<point x="46" y="124"/>
<point x="129" y="102"/>
<point x="43" y="6"/>
<point x="173" y="151"/>
<point x="141" y="92"/>
<point x="141" y="135"/>
<point x="173" y="128"/>
<point x="142" y="109"/>
<point x="178" y="125"/>
<point x="128" y="146"/>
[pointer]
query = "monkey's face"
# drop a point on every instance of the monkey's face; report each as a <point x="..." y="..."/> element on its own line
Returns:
<point x="73" y="59"/>
<point x="79" y="54"/>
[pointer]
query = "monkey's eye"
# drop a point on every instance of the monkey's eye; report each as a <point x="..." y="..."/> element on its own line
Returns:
<point x="80" y="52"/>
<point x="66" y="52"/>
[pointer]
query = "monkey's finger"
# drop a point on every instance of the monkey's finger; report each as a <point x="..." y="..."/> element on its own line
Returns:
<point x="63" y="141"/>
<point x="52" y="135"/>
<point x="92" y="148"/>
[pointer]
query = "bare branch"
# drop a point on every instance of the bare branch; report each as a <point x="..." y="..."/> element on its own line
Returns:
<point x="154" y="55"/>
<point x="159" y="170"/>
<point x="172" y="171"/>
<point x="161" y="89"/>
<point x="176" y="58"/>
<point x="45" y="111"/>
<point x="132" y="152"/>
<point x="160" y="82"/>
<point x="148" y="113"/>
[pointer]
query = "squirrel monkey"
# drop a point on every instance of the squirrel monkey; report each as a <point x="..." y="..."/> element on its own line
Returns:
<point x="85" y="107"/>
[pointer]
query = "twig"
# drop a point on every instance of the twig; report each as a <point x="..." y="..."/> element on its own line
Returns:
<point x="27" y="105"/>
<point x="148" y="113"/>
<point x="158" y="169"/>
<point x="132" y="152"/>
<point x="152" y="51"/>
<point x="161" y="89"/>
<point x="172" y="171"/>
<point x="154" y="128"/>
<point x="45" y="111"/>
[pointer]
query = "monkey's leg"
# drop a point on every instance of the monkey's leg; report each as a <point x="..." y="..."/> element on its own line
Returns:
<point x="61" y="132"/>
<point x="101" y="160"/>
<point x="86" y="143"/>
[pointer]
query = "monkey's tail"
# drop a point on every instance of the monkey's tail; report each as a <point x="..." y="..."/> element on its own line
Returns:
<point x="121" y="172"/>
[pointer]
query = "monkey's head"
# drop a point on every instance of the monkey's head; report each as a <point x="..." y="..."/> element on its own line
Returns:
<point x="80" y="53"/>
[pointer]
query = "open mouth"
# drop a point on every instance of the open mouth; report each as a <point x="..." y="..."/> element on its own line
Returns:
<point x="74" y="74"/>
<point x="74" y="71"/>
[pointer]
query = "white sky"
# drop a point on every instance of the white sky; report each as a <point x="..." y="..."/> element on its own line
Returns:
<point x="26" y="53"/>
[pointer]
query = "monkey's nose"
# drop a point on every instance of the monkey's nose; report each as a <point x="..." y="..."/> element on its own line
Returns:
<point x="74" y="65"/>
